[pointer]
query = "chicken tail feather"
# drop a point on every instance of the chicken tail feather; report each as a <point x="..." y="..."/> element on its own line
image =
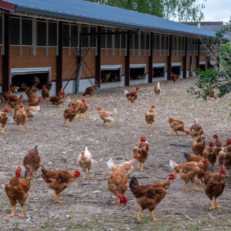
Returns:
<point x="36" y="147"/>
<point x="134" y="182"/>
<point x="187" y="156"/>
<point x="172" y="164"/>
<point x="125" y="92"/>
<point x="110" y="165"/>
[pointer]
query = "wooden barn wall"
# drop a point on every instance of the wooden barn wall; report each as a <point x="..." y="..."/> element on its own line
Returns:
<point x="194" y="62"/>
<point x="203" y="58"/>
<point x="26" y="60"/>
<point x="113" y="60"/>
<point x="160" y="59"/>
<point x="139" y="59"/>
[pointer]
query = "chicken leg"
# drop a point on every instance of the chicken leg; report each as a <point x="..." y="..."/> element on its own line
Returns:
<point x="58" y="201"/>
<point x="216" y="206"/>
<point x="109" y="125"/>
<point x="64" y="123"/>
<point x="138" y="216"/>
<point x="186" y="187"/>
<point x="227" y="173"/>
<point x="69" y="125"/>
<point x="150" y="126"/>
<point x="213" y="207"/>
<point x="88" y="173"/>
<point x="3" y="131"/>
<point x="76" y="117"/>
<point x="153" y="218"/>
<point x="84" y="175"/>
<point x="201" y="181"/>
<point x="172" y="132"/>
<point x="141" y="168"/>
<point x="18" y="128"/>
<point x="36" y="174"/>
<point x="12" y="213"/>
<point x="102" y="123"/>
<point x="21" y="214"/>
<point x="195" y="186"/>
<point x="23" y="129"/>
<point x="116" y="202"/>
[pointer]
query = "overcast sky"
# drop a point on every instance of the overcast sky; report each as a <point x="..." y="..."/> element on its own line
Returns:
<point x="217" y="10"/>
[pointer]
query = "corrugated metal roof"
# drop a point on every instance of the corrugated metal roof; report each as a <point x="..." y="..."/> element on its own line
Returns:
<point x="93" y="12"/>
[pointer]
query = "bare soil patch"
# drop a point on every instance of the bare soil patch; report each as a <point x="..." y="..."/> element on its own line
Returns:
<point x="88" y="203"/>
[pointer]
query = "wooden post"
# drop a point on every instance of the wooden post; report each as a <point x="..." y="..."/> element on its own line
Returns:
<point x="185" y="58"/>
<point x="59" y="60"/>
<point x="170" y="58"/>
<point x="127" y="62"/>
<point x="198" y="55"/>
<point x="150" y="63"/>
<point x="6" y="73"/>
<point x="98" y="58"/>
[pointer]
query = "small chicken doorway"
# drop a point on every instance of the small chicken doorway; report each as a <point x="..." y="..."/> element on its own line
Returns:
<point x="202" y="67"/>
<point x="137" y="71"/>
<point x="158" y="72"/>
<point x="176" y="70"/>
<point x="25" y="76"/>
<point x="110" y="74"/>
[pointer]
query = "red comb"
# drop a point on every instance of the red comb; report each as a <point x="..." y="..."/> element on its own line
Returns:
<point x="84" y="94"/>
<point x="137" y="88"/>
<point x="19" y="169"/>
<point x="39" y="100"/>
<point x="21" y="105"/>
<point x="223" y="167"/>
<point x="153" y="106"/>
<point x="211" y="144"/>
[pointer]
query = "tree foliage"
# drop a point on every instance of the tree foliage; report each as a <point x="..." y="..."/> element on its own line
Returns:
<point x="185" y="10"/>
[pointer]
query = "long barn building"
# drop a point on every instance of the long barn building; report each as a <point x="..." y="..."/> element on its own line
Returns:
<point x="77" y="44"/>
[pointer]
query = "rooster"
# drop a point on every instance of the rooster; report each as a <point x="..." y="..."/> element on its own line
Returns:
<point x="150" y="116"/>
<point x="20" y="117"/>
<point x="58" y="180"/>
<point x="46" y="92"/>
<point x="198" y="144"/>
<point x="210" y="153"/>
<point x="195" y="129"/>
<point x="83" y="107"/>
<point x="177" y="125"/>
<point x="127" y="166"/>
<point x="211" y="94"/>
<point x="157" y="89"/>
<point x="85" y="162"/>
<point x="148" y="196"/>
<point x="174" y="77"/>
<point x="3" y="119"/>
<point x="57" y="100"/>
<point x="132" y="96"/>
<point x="36" y="81"/>
<point x="69" y="114"/>
<point x="218" y="144"/>
<point x="17" y="190"/>
<point x="61" y="93"/>
<point x="106" y="116"/>
<point x="31" y="112"/>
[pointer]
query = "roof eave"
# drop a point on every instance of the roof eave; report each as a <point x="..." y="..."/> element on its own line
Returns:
<point x="93" y="20"/>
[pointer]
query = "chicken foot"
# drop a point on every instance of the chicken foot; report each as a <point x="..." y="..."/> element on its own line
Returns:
<point x="227" y="173"/>
<point x="3" y="131"/>
<point x="58" y="201"/>
<point x="213" y="207"/>
<point x="216" y="206"/>
<point x="195" y="186"/>
<point x="116" y="202"/>
<point x="153" y="218"/>
<point x="150" y="126"/>
<point x="21" y="214"/>
<point x="12" y="213"/>
<point x="84" y="175"/>
<point x="186" y="187"/>
<point x="64" y="123"/>
<point x="141" y="168"/>
<point x="109" y="125"/>
<point x="88" y="174"/>
<point x="69" y="125"/>
<point x="201" y="181"/>
<point x="76" y="117"/>
<point x="102" y="124"/>
<point x="138" y="216"/>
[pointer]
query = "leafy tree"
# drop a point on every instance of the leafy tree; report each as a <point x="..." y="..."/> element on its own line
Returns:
<point x="185" y="10"/>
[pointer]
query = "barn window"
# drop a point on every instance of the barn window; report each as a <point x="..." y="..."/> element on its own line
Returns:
<point x="85" y="38"/>
<point x="117" y="40"/>
<point x="123" y="41"/>
<point x="65" y="35"/>
<point x="154" y="42"/>
<point x="147" y="41"/>
<point x="109" y="39"/>
<point x="158" y="71"/>
<point x="0" y="30"/>
<point x="167" y="43"/>
<point x="136" y="41"/>
<point x="41" y="33"/>
<point x="14" y="31"/>
<point x="131" y="41"/>
<point x="142" y="41"/>
<point x="74" y="36"/>
<point x="162" y="43"/>
<point x="26" y="32"/>
<point x="52" y="34"/>
<point x="93" y="37"/>
<point x="103" y="39"/>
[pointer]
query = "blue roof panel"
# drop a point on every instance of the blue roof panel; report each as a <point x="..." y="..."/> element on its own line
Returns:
<point x="94" y="12"/>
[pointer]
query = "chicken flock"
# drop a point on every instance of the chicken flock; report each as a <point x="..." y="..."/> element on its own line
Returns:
<point x="199" y="164"/>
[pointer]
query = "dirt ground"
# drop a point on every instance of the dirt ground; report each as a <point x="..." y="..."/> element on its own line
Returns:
<point x="88" y="203"/>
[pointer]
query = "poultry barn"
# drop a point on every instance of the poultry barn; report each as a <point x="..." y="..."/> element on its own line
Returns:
<point x="75" y="51"/>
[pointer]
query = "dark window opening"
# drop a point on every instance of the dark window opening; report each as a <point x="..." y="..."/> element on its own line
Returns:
<point x="52" y="36"/>
<point x="65" y="35"/>
<point x="202" y="67"/>
<point x="147" y="41"/>
<point x="131" y="40"/>
<point x="85" y="38"/>
<point x="41" y="33"/>
<point x="102" y="39"/>
<point x="26" y="32"/>
<point x="93" y="37"/>
<point x="142" y="41"/>
<point x="109" y="39"/>
<point x="176" y="70"/>
<point x="117" y="41"/>
<point x="14" y="31"/>
<point x="166" y="46"/>
<point x="74" y="36"/>
<point x="123" y="41"/>
<point x="109" y="76"/>
<point x="0" y="30"/>
<point x="158" y="72"/>
<point x="137" y="73"/>
<point x="136" y="41"/>
<point x="157" y="42"/>
<point x="162" y="43"/>
<point x="28" y="79"/>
